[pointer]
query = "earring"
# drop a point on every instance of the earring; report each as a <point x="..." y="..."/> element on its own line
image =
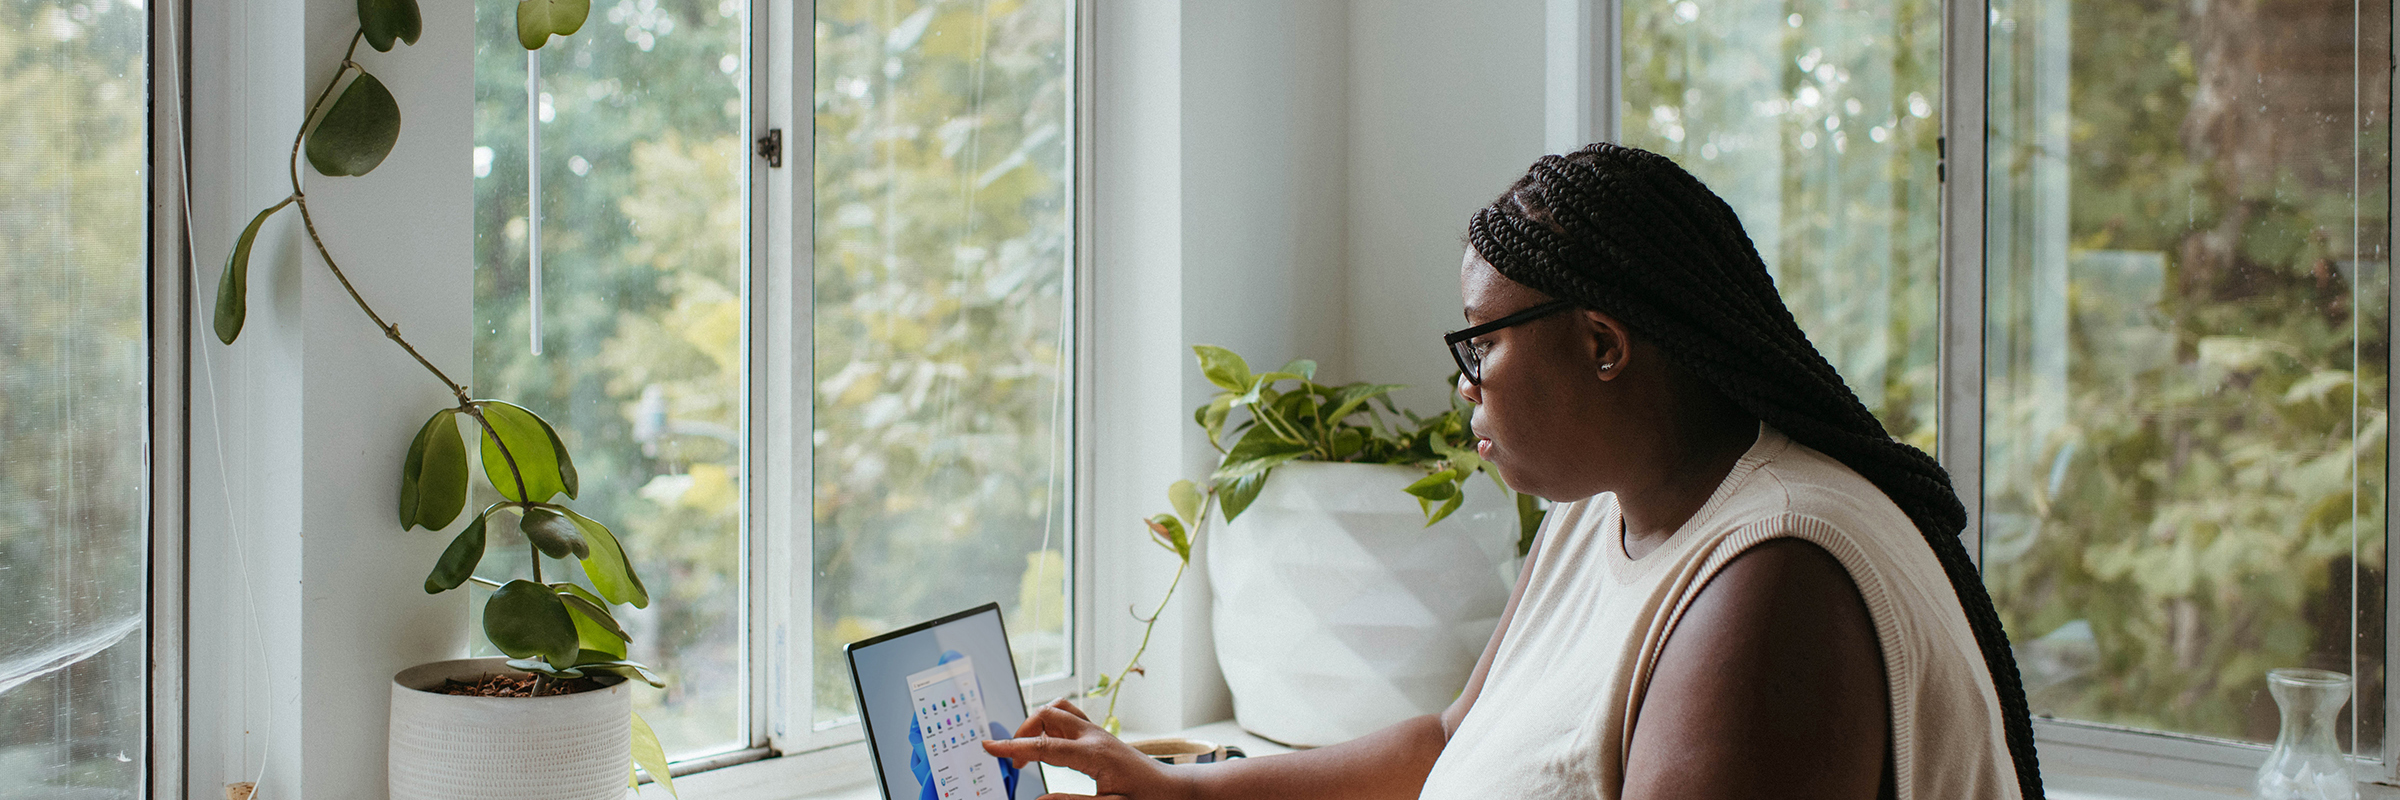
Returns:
<point x="1608" y="366"/>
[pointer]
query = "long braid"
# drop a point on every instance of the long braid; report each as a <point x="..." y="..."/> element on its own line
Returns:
<point x="1630" y="233"/>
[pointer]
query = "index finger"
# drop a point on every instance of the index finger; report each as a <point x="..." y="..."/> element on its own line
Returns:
<point x="1062" y="724"/>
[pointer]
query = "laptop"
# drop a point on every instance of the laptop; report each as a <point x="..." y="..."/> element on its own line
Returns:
<point x="929" y="695"/>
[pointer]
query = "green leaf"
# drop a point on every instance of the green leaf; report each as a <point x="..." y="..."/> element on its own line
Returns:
<point x="539" y="666"/>
<point x="1347" y="441"/>
<point x="1102" y="686"/>
<point x="595" y="628"/>
<point x="1448" y="506"/>
<point x="608" y="567"/>
<point x="1302" y="368"/>
<point x="1234" y="494"/>
<point x="1186" y="498"/>
<point x="1168" y="532"/>
<point x="233" y="287"/>
<point x="595" y="661"/>
<point x="554" y="535"/>
<point x="386" y="20"/>
<point x="1348" y="399"/>
<point x="537" y="20"/>
<point x="650" y="755"/>
<point x="358" y="131"/>
<point x="1212" y="417"/>
<point x="526" y="620"/>
<point x="1258" y="451"/>
<point x="1529" y="521"/>
<point x="458" y="561"/>
<point x="1438" y="486"/>
<point x="540" y="460"/>
<point x="433" y="480"/>
<point x="1223" y="368"/>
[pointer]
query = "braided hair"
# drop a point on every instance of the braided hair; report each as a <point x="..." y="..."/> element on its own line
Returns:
<point x="1631" y="234"/>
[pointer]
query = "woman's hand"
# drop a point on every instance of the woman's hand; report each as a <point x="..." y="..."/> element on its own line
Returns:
<point x="1061" y="734"/>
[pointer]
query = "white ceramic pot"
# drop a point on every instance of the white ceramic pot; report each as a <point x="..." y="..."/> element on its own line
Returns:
<point x="1338" y="612"/>
<point x="447" y="747"/>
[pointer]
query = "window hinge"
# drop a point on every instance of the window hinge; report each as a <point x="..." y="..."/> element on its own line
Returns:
<point x="770" y="147"/>
<point x="1941" y="159"/>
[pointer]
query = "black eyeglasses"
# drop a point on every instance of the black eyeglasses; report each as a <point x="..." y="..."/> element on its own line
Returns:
<point x="1470" y="357"/>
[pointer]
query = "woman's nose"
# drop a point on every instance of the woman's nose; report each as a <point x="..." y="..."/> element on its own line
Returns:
<point x="1469" y="390"/>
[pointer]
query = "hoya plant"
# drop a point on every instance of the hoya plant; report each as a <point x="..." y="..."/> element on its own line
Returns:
<point x="1286" y="416"/>
<point x="555" y="629"/>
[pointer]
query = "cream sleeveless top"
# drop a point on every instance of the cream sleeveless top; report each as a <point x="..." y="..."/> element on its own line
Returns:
<point x="1557" y="713"/>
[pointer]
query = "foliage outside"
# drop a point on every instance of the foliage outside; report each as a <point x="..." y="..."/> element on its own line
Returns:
<point x="942" y="324"/>
<point x="74" y="397"/>
<point x="2186" y="316"/>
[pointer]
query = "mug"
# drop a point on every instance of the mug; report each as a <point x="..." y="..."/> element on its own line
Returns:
<point x="1187" y="751"/>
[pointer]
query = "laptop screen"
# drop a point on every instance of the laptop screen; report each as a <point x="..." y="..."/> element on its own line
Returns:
<point x="929" y="695"/>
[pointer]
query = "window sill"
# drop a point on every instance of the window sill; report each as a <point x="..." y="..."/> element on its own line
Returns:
<point x="845" y="772"/>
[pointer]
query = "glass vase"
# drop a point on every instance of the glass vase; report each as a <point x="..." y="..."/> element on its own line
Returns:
<point x="2307" y="763"/>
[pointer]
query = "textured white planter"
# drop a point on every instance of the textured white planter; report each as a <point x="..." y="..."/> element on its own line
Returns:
<point x="1338" y="612"/>
<point x="447" y="747"/>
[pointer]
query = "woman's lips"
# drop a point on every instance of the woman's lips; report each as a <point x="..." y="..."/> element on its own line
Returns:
<point x="1483" y="448"/>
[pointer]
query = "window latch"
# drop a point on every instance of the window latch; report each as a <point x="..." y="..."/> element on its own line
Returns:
<point x="770" y="147"/>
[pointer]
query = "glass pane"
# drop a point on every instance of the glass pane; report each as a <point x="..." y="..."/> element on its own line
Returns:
<point x="73" y="396"/>
<point x="942" y="272"/>
<point x="1815" y="120"/>
<point x="643" y="225"/>
<point x="2187" y="327"/>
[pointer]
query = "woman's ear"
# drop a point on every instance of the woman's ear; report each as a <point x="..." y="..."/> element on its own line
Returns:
<point x="1612" y="343"/>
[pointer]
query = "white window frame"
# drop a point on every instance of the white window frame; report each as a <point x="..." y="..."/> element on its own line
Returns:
<point x="1584" y="42"/>
<point x="791" y="753"/>
<point x="167" y="448"/>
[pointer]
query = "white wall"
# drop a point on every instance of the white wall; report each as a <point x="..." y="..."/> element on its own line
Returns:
<point x="1286" y="178"/>
<point x="306" y="597"/>
<point x="1446" y="110"/>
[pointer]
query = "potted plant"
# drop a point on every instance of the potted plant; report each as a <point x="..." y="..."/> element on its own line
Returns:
<point x="1333" y="616"/>
<point x="554" y="719"/>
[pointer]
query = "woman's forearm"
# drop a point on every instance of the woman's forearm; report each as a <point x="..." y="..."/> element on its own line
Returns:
<point x="1390" y="764"/>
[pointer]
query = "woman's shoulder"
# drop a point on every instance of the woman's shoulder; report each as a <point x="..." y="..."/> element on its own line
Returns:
<point x="1798" y="482"/>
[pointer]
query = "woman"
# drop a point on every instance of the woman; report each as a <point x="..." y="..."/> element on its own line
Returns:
<point x="1748" y="588"/>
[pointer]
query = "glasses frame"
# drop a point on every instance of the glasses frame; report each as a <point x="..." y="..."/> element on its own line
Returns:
<point x="1470" y="363"/>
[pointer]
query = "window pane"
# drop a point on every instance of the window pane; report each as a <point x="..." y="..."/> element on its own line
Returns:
<point x="73" y="405"/>
<point x="2186" y="338"/>
<point x="1815" y="121"/>
<point x="942" y="323"/>
<point x="644" y="211"/>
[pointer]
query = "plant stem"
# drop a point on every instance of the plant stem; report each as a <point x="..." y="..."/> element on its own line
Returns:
<point x="390" y="331"/>
<point x="1276" y="421"/>
<point x="487" y="582"/>
<point x="1148" y="626"/>
<point x="537" y="562"/>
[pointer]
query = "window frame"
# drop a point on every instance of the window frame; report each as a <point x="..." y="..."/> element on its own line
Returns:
<point x="168" y="446"/>
<point x="788" y="748"/>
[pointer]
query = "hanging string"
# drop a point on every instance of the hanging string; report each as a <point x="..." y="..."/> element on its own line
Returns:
<point x="533" y="198"/>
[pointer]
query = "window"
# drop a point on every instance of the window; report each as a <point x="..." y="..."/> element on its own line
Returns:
<point x="943" y="346"/>
<point x="2187" y="316"/>
<point x="2182" y="299"/>
<point x="74" y="411"/>
<point x="1816" y="121"/>
<point x="626" y="290"/>
<point x="617" y="309"/>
